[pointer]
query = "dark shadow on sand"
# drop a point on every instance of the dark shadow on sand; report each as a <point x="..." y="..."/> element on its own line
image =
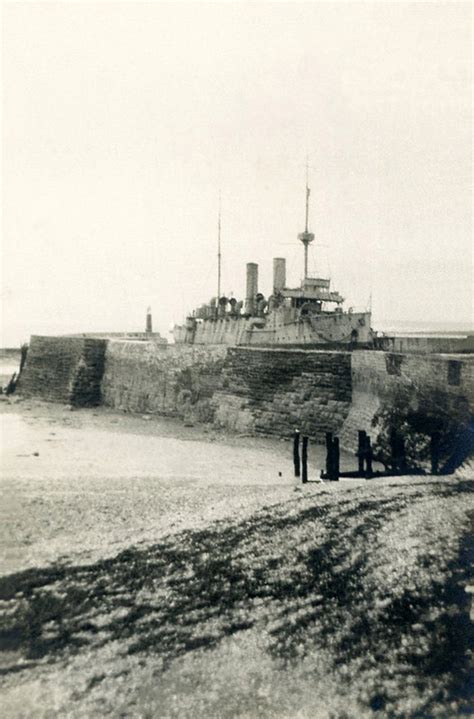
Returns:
<point x="194" y="588"/>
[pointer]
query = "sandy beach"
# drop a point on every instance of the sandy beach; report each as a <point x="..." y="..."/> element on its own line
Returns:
<point x="152" y="569"/>
<point x="81" y="485"/>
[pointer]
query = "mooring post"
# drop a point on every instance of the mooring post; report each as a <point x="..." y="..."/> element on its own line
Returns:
<point x="304" y="460"/>
<point x="361" y="450"/>
<point x="434" y="451"/>
<point x="296" y="452"/>
<point x="403" y="455"/>
<point x="335" y="459"/>
<point x="368" y="457"/>
<point x="397" y="446"/>
<point x="329" y="455"/>
<point x="394" y="450"/>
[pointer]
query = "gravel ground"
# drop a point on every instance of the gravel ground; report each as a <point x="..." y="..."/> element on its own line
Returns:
<point x="153" y="570"/>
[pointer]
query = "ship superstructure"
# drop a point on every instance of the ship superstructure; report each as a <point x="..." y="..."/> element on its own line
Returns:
<point x="311" y="315"/>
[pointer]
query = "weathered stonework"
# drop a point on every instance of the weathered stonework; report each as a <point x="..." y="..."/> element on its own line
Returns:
<point x="275" y="391"/>
<point x="376" y="374"/>
<point x="241" y="389"/>
<point x="244" y="390"/>
<point x="64" y="369"/>
<point x="168" y="380"/>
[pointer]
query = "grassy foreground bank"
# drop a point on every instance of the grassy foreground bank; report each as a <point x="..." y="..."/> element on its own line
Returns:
<point x="340" y="604"/>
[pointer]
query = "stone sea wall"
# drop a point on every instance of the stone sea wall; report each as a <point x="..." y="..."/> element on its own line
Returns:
<point x="375" y="375"/>
<point x="171" y="380"/>
<point x="428" y="344"/>
<point x="275" y="391"/>
<point x="64" y="369"/>
<point x="242" y="389"/>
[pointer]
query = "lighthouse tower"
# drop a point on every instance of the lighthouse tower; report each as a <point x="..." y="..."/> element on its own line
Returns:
<point x="306" y="237"/>
<point x="149" y="321"/>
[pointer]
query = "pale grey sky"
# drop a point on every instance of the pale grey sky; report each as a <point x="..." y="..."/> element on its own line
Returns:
<point x="121" y="121"/>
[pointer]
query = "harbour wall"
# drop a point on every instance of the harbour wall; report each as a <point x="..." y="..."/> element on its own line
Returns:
<point x="64" y="369"/>
<point x="171" y="380"/>
<point x="428" y="378"/>
<point x="275" y="391"/>
<point x="241" y="389"/>
<point x="427" y="344"/>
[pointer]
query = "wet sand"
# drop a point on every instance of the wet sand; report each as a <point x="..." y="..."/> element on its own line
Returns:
<point x="82" y="485"/>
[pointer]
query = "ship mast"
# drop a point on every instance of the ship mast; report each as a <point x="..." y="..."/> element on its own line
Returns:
<point x="308" y="192"/>
<point x="219" y="253"/>
<point x="306" y="237"/>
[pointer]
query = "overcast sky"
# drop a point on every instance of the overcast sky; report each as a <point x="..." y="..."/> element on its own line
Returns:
<point x="121" y="122"/>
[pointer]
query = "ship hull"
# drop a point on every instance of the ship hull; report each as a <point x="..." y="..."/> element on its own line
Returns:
<point x="345" y="330"/>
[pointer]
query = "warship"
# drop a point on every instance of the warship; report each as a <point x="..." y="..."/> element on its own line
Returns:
<point x="311" y="315"/>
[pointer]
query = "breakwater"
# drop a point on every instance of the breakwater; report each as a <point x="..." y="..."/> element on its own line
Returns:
<point x="64" y="369"/>
<point x="432" y="380"/>
<point x="252" y="390"/>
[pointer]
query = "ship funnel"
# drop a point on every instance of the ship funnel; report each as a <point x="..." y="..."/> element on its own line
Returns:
<point x="252" y="288"/>
<point x="279" y="274"/>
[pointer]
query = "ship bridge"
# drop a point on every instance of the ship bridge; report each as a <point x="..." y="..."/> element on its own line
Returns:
<point x="314" y="289"/>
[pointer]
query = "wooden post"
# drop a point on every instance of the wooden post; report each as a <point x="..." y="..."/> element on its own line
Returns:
<point x="434" y="451"/>
<point x="335" y="459"/>
<point x="361" y="450"/>
<point x="403" y="453"/>
<point x="394" y="459"/>
<point x="304" y="459"/>
<point x="368" y="457"/>
<point x="296" y="452"/>
<point x="329" y="455"/>
<point x="397" y="446"/>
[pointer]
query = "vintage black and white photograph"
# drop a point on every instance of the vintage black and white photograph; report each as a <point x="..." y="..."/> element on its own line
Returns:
<point x="237" y="360"/>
